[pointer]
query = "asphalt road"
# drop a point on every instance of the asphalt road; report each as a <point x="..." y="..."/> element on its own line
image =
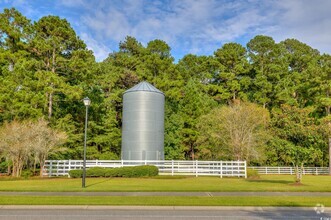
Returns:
<point x="137" y="213"/>
<point x="14" y="212"/>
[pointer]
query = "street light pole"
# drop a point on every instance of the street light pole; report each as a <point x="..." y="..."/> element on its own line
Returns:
<point x="87" y="103"/>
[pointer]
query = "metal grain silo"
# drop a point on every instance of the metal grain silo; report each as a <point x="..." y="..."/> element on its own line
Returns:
<point x="143" y="123"/>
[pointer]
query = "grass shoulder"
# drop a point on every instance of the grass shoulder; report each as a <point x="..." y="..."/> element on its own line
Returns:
<point x="266" y="183"/>
<point x="166" y="201"/>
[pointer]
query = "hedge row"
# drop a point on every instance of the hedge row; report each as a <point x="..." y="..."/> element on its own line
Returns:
<point x="135" y="171"/>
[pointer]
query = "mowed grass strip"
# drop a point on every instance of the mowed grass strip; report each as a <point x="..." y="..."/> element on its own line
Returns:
<point x="166" y="201"/>
<point x="267" y="183"/>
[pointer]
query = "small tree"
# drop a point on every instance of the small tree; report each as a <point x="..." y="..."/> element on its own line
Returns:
<point x="238" y="130"/>
<point x="300" y="157"/>
<point x="20" y="141"/>
<point x="16" y="144"/>
<point x="45" y="141"/>
<point x="304" y="136"/>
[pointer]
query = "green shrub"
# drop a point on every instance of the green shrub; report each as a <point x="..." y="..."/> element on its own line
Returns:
<point x="112" y="172"/>
<point x="27" y="173"/>
<point x="146" y="171"/>
<point x="127" y="172"/>
<point x="76" y="173"/>
<point x="135" y="171"/>
<point x="253" y="174"/>
<point x="95" y="172"/>
<point x="3" y="166"/>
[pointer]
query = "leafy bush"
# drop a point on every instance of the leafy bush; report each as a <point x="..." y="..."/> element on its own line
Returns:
<point x="3" y="167"/>
<point x="253" y="174"/>
<point x="135" y="171"/>
<point x="27" y="173"/>
<point x="112" y="172"/>
<point x="95" y="172"/>
<point x="146" y="171"/>
<point x="76" y="173"/>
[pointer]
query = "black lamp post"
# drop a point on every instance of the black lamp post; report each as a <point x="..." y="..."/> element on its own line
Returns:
<point x="87" y="103"/>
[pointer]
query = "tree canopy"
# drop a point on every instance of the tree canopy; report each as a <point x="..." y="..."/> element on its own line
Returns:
<point x="283" y="90"/>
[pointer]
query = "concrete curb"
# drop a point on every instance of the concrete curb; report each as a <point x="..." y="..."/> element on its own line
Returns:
<point x="202" y="208"/>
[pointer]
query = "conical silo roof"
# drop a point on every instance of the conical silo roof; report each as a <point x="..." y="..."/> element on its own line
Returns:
<point x="144" y="86"/>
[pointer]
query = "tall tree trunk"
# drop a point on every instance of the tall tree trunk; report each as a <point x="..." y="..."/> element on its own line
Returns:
<point x="297" y="174"/>
<point x="9" y="169"/>
<point x="192" y="152"/>
<point x="41" y="169"/>
<point x="50" y="104"/>
<point x="15" y="167"/>
<point x="327" y="108"/>
<point x="42" y="160"/>
<point x="34" y="166"/>
<point x="13" y="174"/>
<point x="50" y="100"/>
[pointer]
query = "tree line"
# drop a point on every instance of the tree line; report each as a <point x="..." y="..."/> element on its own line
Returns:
<point x="268" y="103"/>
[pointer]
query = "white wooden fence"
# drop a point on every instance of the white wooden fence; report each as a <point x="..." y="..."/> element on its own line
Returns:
<point x="178" y="167"/>
<point x="166" y="167"/>
<point x="291" y="170"/>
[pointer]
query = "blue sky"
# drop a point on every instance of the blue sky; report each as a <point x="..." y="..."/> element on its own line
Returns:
<point x="188" y="26"/>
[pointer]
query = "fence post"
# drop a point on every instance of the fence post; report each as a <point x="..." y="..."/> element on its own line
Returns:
<point x="51" y="168"/>
<point x="69" y="166"/>
<point x="172" y="167"/>
<point x="232" y="169"/>
<point x="291" y="171"/>
<point x="221" y="169"/>
<point x="57" y="168"/>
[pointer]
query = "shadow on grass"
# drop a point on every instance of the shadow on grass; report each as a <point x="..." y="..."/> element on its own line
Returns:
<point x="286" y="182"/>
<point x="168" y="177"/>
<point x="97" y="183"/>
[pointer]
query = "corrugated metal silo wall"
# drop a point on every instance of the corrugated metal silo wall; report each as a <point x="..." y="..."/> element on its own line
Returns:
<point x="143" y="126"/>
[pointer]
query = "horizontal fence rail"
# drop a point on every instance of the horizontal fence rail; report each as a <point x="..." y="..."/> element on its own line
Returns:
<point x="291" y="170"/>
<point x="166" y="167"/>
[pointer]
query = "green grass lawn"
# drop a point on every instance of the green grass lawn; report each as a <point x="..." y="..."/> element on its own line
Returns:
<point x="166" y="201"/>
<point x="267" y="183"/>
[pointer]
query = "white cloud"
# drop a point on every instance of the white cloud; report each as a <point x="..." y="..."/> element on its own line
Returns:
<point x="193" y="26"/>
<point x="307" y="21"/>
<point x="202" y="25"/>
<point x="23" y="6"/>
<point x="73" y="3"/>
<point x="99" y="49"/>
